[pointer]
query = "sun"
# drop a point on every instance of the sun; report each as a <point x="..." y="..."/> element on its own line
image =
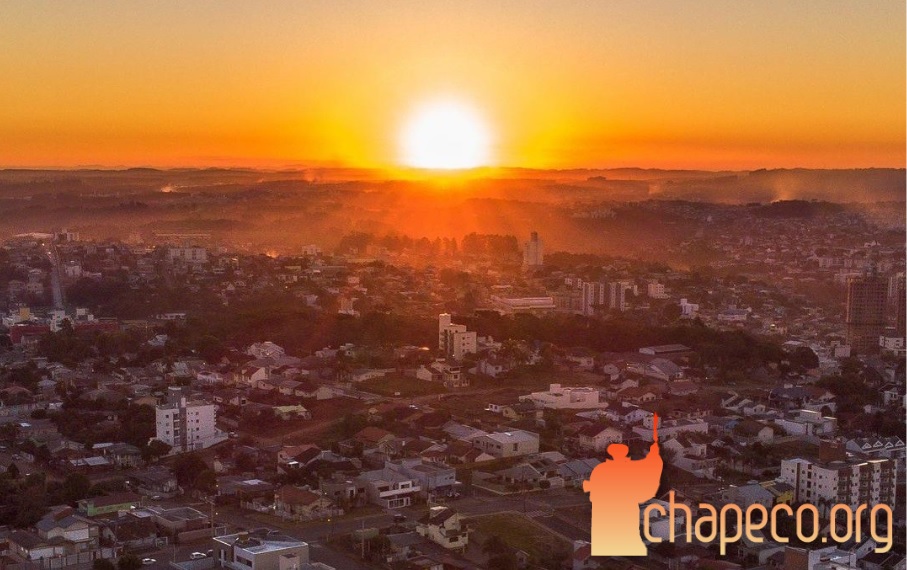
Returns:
<point x="446" y="135"/>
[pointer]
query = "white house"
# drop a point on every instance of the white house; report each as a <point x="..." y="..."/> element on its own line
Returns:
<point x="444" y="527"/>
<point x="508" y="444"/>
<point x="560" y="398"/>
<point x="597" y="437"/>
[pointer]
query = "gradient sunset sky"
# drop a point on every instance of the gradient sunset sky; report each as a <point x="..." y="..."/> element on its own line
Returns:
<point x="720" y="85"/>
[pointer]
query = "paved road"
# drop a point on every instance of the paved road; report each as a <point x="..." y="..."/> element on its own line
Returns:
<point x="540" y="506"/>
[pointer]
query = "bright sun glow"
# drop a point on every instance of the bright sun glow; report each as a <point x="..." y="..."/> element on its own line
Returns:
<point x="445" y="135"/>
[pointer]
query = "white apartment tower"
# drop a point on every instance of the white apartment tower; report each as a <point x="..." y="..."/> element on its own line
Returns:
<point x="617" y="295"/>
<point x="869" y="482"/>
<point x="454" y="341"/>
<point x="656" y="290"/>
<point x="593" y="296"/>
<point x="186" y="425"/>
<point x="533" y="252"/>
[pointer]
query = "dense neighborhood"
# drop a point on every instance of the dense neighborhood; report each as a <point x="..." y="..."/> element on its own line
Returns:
<point x="183" y="405"/>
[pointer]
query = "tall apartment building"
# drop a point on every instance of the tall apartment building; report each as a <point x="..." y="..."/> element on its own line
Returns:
<point x="454" y="341"/>
<point x="825" y="484"/>
<point x="896" y="303"/>
<point x="593" y="296"/>
<point x="187" y="254"/>
<point x="533" y="251"/>
<point x="608" y="296"/>
<point x="865" y="317"/>
<point x="187" y="425"/>
<point x="617" y="295"/>
<point x="656" y="290"/>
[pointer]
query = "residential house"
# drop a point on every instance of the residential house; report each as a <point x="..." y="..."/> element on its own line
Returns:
<point x="751" y="494"/>
<point x="508" y="444"/>
<point x="295" y="503"/>
<point x="260" y="550"/>
<point x="597" y="437"/>
<point x="750" y="431"/>
<point x="155" y="481"/>
<point x="576" y="471"/>
<point x="108" y="504"/>
<point x="387" y="488"/>
<point x="444" y="527"/>
<point x="808" y="423"/>
<point x="80" y="534"/>
<point x="638" y="395"/>
<point x="369" y="438"/>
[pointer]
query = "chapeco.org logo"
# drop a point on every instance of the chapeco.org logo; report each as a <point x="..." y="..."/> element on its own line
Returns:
<point x="618" y="487"/>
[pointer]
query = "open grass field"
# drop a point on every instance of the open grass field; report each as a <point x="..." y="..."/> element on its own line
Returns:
<point x="519" y="532"/>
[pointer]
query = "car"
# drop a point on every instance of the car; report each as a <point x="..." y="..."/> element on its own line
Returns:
<point x="197" y="555"/>
<point x="156" y="498"/>
<point x="148" y="561"/>
<point x="210" y="553"/>
<point x="399" y="517"/>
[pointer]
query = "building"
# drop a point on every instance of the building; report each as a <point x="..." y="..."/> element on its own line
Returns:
<point x="109" y="504"/>
<point x="688" y="310"/>
<point x="533" y="251"/>
<point x="454" y="341"/>
<point x="260" y="550"/>
<point x="826" y="558"/>
<point x="865" y="312"/>
<point x="561" y="398"/>
<point x="656" y="290"/>
<point x="617" y="295"/>
<point x="444" y="527"/>
<point x="188" y="254"/>
<point x="514" y="305"/>
<point x="593" y="297"/>
<point x="295" y="503"/>
<point x="891" y="447"/>
<point x="604" y="296"/>
<point x="808" y="423"/>
<point x="387" y="488"/>
<point x="825" y="484"/>
<point x="64" y="524"/>
<point x="508" y="444"/>
<point x="892" y="344"/>
<point x="433" y="480"/>
<point x="598" y="437"/>
<point x="187" y="425"/>
<point x="749" y="494"/>
<point x="451" y="375"/>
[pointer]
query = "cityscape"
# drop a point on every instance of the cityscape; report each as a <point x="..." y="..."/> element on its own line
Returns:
<point x="215" y="356"/>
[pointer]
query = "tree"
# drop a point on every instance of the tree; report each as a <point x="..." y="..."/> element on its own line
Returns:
<point x="129" y="562"/>
<point x="103" y="564"/>
<point x="206" y="481"/>
<point x="75" y="487"/>
<point x="9" y="432"/>
<point x="187" y="467"/>
<point x="13" y="471"/>
<point x="155" y="450"/>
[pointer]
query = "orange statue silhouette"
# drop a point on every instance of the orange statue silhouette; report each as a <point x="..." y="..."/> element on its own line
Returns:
<point x="616" y="489"/>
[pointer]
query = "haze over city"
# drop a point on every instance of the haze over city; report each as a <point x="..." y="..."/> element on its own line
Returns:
<point x="336" y="285"/>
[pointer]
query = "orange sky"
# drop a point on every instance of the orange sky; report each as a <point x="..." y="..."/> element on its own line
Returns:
<point x="704" y="84"/>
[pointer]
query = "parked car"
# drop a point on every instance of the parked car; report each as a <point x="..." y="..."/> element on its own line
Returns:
<point x="197" y="555"/>
<point x="148" y="561"/>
